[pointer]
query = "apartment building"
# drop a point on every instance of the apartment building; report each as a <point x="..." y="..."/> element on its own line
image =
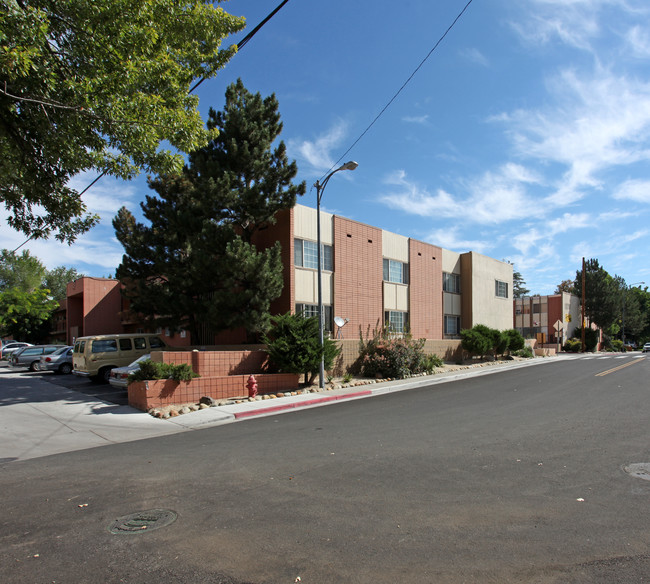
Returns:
<point x="374" y="278"/>
<point x="549" y="319"/>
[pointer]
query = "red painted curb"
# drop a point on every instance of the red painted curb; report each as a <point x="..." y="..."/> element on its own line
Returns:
<point x="311" y="402"/>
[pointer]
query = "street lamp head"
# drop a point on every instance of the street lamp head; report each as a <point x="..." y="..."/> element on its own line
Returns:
<point x="351" y="165"/>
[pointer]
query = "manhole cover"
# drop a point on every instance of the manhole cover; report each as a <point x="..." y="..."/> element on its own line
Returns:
<point x="639" y="470"/>
<point x="143" y="521"/>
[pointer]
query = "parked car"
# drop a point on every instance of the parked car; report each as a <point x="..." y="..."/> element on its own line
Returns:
<point x="94" y="357"/>
<point x="30" y="357"/>
<point x="10" y="347"/>
<point x="60" y="361"/>
<point x="119" y="377"/>
<point x="646" y="348"/>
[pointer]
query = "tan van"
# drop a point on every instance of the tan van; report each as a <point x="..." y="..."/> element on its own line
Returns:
<point x="95" y="356"/>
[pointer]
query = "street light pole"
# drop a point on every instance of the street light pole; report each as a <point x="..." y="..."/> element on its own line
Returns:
<point x="320" y="187"/>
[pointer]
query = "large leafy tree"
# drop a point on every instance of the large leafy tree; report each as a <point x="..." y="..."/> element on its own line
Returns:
<point x="29" y="294"/>
<point x="194" y="265"/>
<point x="24" y="314"/>
<point x="98" y="84"/>
<point x="602" y="294"/>
<point x="22" y="271"/>
<point x="57" y="280"/>
<point x="567" y="286"/>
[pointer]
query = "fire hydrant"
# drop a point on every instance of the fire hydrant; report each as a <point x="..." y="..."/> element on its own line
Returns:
<point x="252" y="386"/>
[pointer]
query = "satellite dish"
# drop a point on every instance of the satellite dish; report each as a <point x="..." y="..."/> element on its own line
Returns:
<point x="340" y="322"/>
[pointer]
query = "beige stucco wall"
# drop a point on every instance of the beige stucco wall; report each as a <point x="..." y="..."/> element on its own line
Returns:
<point x="450" y="262"/>
<point x="305" y="225"/>
<point x="394" y="246"/>
<point x="396" y="297"/>
<point x="486" y="307"/>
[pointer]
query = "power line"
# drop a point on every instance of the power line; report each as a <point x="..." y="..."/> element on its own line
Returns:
<point x="392" y="99"/>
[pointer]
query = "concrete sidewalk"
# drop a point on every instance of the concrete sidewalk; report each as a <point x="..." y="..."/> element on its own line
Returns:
<point x="38" y="418"/>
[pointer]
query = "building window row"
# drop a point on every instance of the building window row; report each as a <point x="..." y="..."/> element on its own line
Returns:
<point x="451" y="326"/>
<point x="396" y="321"/>
<point x="306" y="255"/>
<point x="451" y="283"/>
<point x="309" y="310"/>
<point x="395" y="271"/>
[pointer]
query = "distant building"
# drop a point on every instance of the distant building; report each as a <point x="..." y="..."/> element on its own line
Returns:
<point x="549" y="319"/>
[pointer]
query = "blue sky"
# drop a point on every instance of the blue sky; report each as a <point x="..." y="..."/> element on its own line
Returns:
<point x="525" y="136"/>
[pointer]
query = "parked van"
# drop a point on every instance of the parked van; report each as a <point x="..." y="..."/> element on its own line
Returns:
<point x="95" y="356"/>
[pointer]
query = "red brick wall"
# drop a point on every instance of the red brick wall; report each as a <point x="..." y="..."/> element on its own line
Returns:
<point x="358" y="274"/>
<point x="216" y="363"/>
<point x="425" y="290"/>
<point x="282" y="231"/>
<point x="145" y="395"/>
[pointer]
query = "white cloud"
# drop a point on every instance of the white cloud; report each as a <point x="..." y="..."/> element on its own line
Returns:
<point x="638" y="42"/>
<point x="493" y="198"/>
<point x="475" y="56"/>
<point x="596" y="123"/>
<point x="416" y="119"/>
<point x="317" y="153"/>
<point x="451" y="239"/>
<point x="634" y="190"/>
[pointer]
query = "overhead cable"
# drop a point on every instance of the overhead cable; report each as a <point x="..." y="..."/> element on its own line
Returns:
<point x="392" y="99"/>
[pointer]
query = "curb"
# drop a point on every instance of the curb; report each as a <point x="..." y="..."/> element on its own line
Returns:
<point x="301" y="404"/>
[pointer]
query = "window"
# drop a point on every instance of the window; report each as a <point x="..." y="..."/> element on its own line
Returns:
<point x="140" y="343"/>
<point x="306" y="255"/>
<point x="451" y="283"/>
<point x="395" y="271"/>
<point x="308" y="310"/>
<point x="156" y="343"/>
<point x="452" y="326"/>
<point x="104" y="346"/>
<point x="537" y="309"/>
<point x="397" y="322"/>
<point x="501" y="289"/>
<point x="125" y="345"/>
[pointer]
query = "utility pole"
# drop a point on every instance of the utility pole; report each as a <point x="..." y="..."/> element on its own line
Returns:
<point x="582" y="329"/>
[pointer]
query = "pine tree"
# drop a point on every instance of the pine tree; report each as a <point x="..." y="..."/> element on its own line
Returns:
<point x="195" y="265"/>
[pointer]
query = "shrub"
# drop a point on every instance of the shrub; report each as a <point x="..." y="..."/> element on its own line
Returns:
<point x="617" y="345"/>
<point x="389" y="356"/>
<point x="573" y="346"/>
<point x="153" y="370"/>
<point x="475" y="342"/>
<point x="516" y="341"/>
<point x="526" y="352"/>
<point x="591" y="338"/>
<point x="431" y="362"/>
<point x="293" y="345"/>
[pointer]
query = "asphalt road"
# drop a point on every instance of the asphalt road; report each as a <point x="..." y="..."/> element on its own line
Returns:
<point x="512" y="477"/>
<point x="103" y="391"/>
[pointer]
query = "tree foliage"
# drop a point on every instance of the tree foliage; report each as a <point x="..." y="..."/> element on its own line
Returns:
<point x="293" y="344"/>
<point x="602" y="294"/>
<point x="57" y="280"/>
<point x="519" y="289"/>
<point x="567" y="286"/>
<point x="24" y="272"/>
<point x="195" y="264"/>
<point x="98" y="84"/>
<point x="24" y="314"/>
<point x="29" y="294"/>
<point x="393" y="356"/>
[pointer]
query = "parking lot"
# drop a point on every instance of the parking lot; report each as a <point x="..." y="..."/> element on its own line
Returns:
<point x="100" y="391"/>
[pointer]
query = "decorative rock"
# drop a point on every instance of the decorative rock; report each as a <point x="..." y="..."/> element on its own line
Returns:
<point x="194" y="407"/>
<point x="173" y="413"/>
<point x="203" y="406"/>
<point x="166" y="416"/>
<point x="185" y="410"/>
<point x="208" y="401"/>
